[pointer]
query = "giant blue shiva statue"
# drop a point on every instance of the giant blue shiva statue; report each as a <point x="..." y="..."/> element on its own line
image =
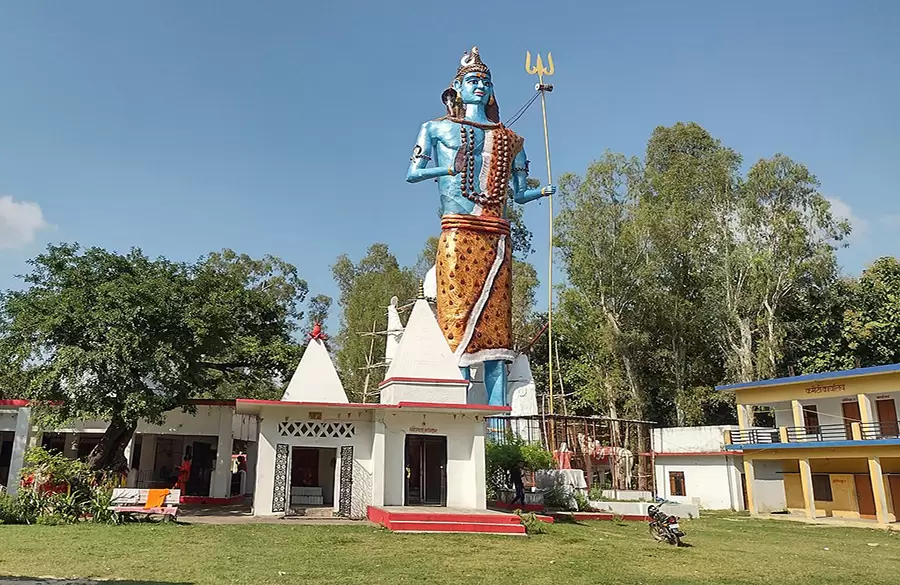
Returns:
<point x="475" y="160"/>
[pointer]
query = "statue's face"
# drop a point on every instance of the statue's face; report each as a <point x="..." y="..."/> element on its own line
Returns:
<point x="475" y="88"/>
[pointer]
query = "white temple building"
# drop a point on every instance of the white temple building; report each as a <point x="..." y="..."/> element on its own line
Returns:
<point x="213" y="435"/>
<point x="422" y="444"/>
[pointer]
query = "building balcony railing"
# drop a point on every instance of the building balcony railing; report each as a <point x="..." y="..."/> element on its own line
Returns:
<point x="853" y="431"/>
<point x="817" y="434"/>
<point x="889" y="429"/>
<point x="755" y="436"/>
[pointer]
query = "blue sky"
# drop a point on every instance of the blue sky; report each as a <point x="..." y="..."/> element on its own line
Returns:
<point x="286" y="127"/>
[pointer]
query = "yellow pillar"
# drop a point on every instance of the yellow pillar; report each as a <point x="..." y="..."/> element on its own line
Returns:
<point x="881" y="506"/>
<point x="749" y="477"/>
<point x="743" y="416"/>
<point x="807" y="485"/>
<point x="783" y="434"/>
<point x="855" y="431"/>
<point x="797" y="409"/>
<point x="865" y="408"/>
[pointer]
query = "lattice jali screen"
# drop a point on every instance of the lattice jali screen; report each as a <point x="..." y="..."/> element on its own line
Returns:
<point x="317" y="429"/>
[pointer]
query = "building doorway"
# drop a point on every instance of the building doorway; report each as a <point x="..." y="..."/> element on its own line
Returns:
<point x="312" y="477"/>
<point x="426" y="470"/>
<point x="865" y="497"/>
<point x="811" y="419"/>
<point x="744" y="503"/>
<point x="203" y="455"/>
<point x="894" y="485"/>
<point x="6" y="445"/>
<point x="887" y="416"/>
<point x="850" y="410"/>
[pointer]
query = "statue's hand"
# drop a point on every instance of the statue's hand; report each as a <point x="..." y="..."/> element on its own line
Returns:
<point x="548" y="191"/>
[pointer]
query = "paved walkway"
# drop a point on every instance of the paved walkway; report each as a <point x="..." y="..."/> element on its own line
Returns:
<point x="240" y="514"/>
<point x="831" y="521"/>
<point x="5" y="580"/>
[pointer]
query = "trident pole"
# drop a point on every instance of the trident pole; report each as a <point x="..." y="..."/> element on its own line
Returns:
<point x="540" y="70"/>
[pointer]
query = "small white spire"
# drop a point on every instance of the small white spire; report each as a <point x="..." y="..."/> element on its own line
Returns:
<point x="423" y="352"/>
<point x="315" y="379"/>
<point x="394" y="331"/>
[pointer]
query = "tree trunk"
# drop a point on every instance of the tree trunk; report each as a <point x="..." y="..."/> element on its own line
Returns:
<point x="680" y="354"/>
<point x="109" y="454"/>
<point x="745" y="351"/>
<point x="772" y="348"/>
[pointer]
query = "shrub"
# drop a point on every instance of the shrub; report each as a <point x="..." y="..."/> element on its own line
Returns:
<point x="581" y="502"/>
<point x="58" y="490"/>
<point x="596" y="493"/>
<point x="555" y="498"/>
<point x="9" y="510"/>
<point x="501" y="457"/>
<point x="532" y="524"/>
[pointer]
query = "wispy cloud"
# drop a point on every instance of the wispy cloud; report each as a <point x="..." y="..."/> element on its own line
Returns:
<point x="840" y="209"/>
<point x="20" y="221"/>
<point x="890" y="220"/>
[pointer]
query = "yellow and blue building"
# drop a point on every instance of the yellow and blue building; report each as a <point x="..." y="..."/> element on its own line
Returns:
<point x="834" y="449"/>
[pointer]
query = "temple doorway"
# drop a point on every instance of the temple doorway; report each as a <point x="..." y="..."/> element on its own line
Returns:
<point x="426" y="470"/>
<point x="312" y="477"/>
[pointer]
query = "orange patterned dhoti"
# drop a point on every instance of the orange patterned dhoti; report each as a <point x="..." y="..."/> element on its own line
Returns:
<point x="474" y="280"/>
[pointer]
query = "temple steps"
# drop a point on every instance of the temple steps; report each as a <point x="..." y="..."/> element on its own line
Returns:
<point x="444" y="520"/>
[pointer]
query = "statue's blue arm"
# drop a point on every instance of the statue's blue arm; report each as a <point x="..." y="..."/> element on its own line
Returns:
<point x="521" y="192"/>
<point x="422" y="153"/>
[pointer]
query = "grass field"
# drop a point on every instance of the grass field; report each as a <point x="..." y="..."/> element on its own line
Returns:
<point x="725" y="550"/>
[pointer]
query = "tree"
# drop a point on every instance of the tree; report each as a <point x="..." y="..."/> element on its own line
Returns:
<point x="524" y="285"/>
<point x="776" y="237"/>
<point x="366" y="289"/>
<point x="123" y="338"/>
<point x="685" y="170"/>
<point x="871" y="324"/>
<point x="427" y="257"/>
<point x="604" y="242"/>
<point x="682" y="274"/>
<point x="815" y="336"/>
<point x="318" y="309"/>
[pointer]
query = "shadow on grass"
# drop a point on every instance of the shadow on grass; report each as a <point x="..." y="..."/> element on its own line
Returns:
<point x="199" y="511"/>
<point x="11" y="580"/>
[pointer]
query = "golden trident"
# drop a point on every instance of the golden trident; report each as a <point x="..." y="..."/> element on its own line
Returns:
<point x="541" y="71"/>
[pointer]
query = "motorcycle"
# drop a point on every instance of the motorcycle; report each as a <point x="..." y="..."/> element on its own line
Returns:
<point x="664" y="528"/>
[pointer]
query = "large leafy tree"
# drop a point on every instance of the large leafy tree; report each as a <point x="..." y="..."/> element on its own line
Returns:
<point x="787" y="236"/>
<point x="871" y="325"/>
<point x="605" y="246"/>
<point x="683" y="274"/>
<point x="848" y="323"/>
<point x="124" y="337"/>
<point x="366" y="289"/>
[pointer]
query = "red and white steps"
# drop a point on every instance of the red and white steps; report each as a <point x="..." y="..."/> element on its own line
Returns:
<point x="441" y="521"/>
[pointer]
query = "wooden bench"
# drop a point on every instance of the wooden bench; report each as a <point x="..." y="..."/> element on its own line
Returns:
<point x="129" y="502"/>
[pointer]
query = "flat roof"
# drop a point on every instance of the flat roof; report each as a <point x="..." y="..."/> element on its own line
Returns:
<point x="252" y="406"/>
<point x="870" y="371"/>
<point x="20" y="402"/>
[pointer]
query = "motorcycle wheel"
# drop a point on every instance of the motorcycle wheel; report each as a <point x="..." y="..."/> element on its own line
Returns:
<point x="676" y="540"/>
<point x="656" y="533"/>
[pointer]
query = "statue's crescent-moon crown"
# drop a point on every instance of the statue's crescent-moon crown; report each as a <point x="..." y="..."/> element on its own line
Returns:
<point x="471" y="62"/>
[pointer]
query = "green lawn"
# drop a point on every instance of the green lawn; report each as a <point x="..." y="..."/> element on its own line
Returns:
<point x="725" y="550"/>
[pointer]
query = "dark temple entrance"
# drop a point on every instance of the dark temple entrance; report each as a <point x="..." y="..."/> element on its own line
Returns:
<point x="426" y="470"/>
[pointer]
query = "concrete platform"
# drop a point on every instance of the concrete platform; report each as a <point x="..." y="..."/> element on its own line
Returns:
<point x="830" y="521"/>
<point x="241" y="514"/>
